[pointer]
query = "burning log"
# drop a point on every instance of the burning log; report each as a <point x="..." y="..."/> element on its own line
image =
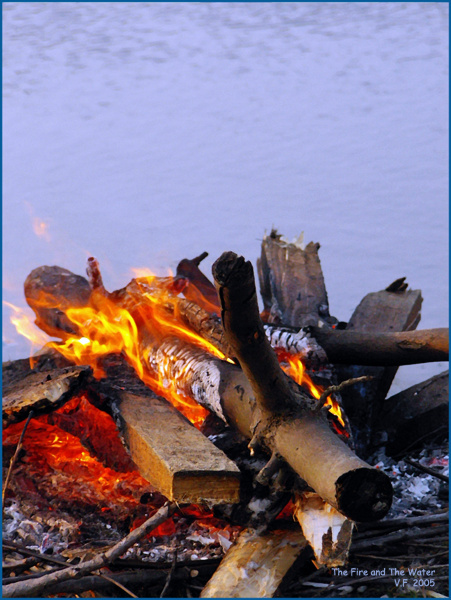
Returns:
<point x="41" y="392"/>
<point x="323" y="461"/>
<point x="255" y="566"/>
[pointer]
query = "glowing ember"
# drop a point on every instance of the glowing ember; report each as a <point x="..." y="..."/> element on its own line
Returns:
<point x="62" y="469"/>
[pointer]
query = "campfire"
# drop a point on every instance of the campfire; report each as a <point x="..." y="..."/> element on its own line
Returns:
<point x="175" y="440"/>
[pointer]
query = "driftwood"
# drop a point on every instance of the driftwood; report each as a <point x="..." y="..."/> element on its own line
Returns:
<point x="34" y="587"/>
<point x="255" y="566"/>
<point x="415" y="413"/>
<point x="324" y="461"/>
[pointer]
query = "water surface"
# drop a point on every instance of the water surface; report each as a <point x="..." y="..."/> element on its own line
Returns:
<point x="142" y="133"/>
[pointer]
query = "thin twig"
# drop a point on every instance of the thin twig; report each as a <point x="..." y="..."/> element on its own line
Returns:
<point x="118" y="584"/>
<point x="170" y="574"/>
<point x="27" y="589"/>
<point x="365" y="530"/>
<point x="50" y="559"/>
<point x="14" y="458"/>
<point x="421" y="467"/>
<point x="337" y="388"/>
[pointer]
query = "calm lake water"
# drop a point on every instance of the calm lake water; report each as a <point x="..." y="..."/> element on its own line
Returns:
<point x="143" y="133"/>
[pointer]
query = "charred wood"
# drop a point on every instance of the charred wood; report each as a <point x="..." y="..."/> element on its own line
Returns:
<point x="46" y="283"/>
<point x="287" y="272"/>
<point x="322" y="459"/>
<point x="41" y="392"/>
<point x="383" y="349"/>
<point x="415" y="413"/>
<point x="384" y="311"/>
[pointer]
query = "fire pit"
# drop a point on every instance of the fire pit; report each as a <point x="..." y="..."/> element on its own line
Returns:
<point x="110" y="488"/>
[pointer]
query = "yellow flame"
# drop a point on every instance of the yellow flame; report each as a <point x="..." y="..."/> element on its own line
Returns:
<point x="141" y="272"/>
<point x="25" y="325"/>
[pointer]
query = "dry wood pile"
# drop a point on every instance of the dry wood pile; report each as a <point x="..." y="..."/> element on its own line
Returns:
<point x="299" y="470"/>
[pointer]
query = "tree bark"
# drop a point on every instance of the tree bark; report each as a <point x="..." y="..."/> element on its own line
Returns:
<point x="255" y="565"/>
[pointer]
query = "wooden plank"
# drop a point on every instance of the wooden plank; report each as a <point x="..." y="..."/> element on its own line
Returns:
<point x="377" y="312"/>
<point x="40" y="392"/>
<point x="414" y="414"/>
<point x="173" y="456"/>
<point x="255" y="565"/>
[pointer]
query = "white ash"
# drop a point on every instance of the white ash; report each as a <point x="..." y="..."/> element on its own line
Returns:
<point x="413" y="490"/>
<point x="39" y="530"/>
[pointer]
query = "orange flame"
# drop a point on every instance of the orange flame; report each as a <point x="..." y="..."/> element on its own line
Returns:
<point x="296" y="371"/>
<point x="132" y="323"/>
<point x="105" y="327"/>
<point x="41" y="228"/>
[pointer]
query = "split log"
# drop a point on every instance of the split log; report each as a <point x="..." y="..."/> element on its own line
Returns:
<point x="415" y="414"/>
<point x="384" y="311"/>
<point x="322" y="459"/>
<point x="328" y="532"/>
<point x="292" y="283"/>
<point x="255" y="565"/>
<point x="352" y="347"/>
<point x="41" y="392"/>
<point x="175" y="457"/>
